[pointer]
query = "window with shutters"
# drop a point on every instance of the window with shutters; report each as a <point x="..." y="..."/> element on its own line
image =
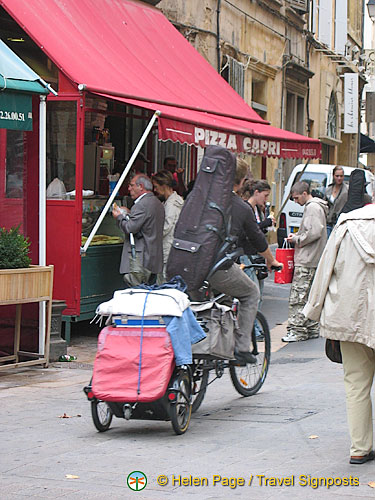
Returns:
<point x="332" y="117"/>
<point x="295" y="113"/>
<point x="233" y="72"/>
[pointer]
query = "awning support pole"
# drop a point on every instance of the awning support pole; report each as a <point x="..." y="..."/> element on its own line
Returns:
<point x="42" y="211"/>
<point x="120" y="181"/>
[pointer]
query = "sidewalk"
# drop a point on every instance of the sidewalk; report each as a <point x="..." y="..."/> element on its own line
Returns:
<point x="295" y="426"/>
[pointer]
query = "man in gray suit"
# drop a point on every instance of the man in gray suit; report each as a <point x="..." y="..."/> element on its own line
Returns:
<point x="142" y="254"/>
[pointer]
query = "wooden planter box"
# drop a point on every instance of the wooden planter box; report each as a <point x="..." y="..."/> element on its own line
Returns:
<point x="21" y="286"/>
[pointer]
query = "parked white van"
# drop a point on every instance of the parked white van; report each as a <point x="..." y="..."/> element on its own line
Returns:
<point x="319" y="177"/>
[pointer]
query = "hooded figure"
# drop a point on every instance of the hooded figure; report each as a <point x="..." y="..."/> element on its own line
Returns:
<point x="342" y="297"/>
<point x="357" y="191"/>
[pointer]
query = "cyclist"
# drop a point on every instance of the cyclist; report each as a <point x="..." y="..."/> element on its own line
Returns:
<point x="230" y="279"/>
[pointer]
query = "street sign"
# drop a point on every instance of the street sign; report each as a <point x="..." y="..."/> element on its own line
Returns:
<point x="351" y="103"/>
<point x="15" y="111"/>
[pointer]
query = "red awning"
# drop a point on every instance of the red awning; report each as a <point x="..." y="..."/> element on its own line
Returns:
<point x="128" y="50"/>
<point x="204" y="129"/>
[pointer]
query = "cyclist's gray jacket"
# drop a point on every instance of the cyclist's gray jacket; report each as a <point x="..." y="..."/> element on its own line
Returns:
<point x="312" y="235"/>
<point x="343" y="292"/>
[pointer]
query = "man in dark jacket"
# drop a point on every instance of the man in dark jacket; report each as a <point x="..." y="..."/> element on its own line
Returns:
<point x="231" y="279"/>
<point x="142" y="254"/>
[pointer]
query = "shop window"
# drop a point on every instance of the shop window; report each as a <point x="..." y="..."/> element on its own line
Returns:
<point x="61" y="148"/>
<point x="15" y="164"/>
<point x="185" y="155"/>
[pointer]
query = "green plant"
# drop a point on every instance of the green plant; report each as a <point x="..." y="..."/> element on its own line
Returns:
<point x="14" y="249"/>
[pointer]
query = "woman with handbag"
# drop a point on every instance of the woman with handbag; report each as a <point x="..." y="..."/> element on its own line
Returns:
<point x="342" y="296"/>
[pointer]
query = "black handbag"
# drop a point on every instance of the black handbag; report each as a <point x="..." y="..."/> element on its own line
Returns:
<point x="333" y="350"/>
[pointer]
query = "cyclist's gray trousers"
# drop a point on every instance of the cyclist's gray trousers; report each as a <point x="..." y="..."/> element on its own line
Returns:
<point x="236" y="283"/>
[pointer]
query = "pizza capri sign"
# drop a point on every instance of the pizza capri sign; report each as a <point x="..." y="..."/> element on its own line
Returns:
<point x="235" y="142"/>
<point x="238" y="143"/>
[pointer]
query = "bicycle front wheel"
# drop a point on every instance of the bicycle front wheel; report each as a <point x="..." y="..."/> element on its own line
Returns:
<point x="248" y="379"/>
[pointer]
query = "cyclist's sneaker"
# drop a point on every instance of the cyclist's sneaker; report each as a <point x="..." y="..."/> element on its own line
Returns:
<point x="313" y="335"/>
<point x="294" y="337"/>
<point x="245" y="357"/>
<point x="259" y="338"/>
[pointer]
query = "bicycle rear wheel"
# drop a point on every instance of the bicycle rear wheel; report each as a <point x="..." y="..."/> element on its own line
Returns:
<point x="248" y="379"/>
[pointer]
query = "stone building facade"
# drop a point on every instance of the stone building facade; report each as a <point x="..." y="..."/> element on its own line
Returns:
<point x="287" y="59"/>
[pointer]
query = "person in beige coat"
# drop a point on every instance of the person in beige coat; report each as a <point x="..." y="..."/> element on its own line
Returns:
<point x="163" y="187"/>
<point x="343" y="298"/>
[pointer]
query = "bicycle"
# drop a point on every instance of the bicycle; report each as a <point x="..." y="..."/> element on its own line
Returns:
<point x="247" y="379"/>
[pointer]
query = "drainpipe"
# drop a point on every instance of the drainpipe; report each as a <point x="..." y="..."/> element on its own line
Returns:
<point x="218" y="36"/>
<point x="280" y="161"/>
<point x="308" y="45"/>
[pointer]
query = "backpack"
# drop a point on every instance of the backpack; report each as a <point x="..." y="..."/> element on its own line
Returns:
<point x="200" y="229"/>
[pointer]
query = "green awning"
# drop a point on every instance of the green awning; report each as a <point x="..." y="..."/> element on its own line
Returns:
<point x="16" y="75"/>
<point x="21" y="86"/>
<point x="17" y="84"/>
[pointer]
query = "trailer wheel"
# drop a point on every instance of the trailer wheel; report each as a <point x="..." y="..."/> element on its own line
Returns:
<point x="101" y="415"/>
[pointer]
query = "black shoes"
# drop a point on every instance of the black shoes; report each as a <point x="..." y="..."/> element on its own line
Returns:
<point x="362" y="460"/>
<point x="245" y="357"/>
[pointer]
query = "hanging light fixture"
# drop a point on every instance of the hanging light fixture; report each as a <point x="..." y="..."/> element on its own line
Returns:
<point x="371" y="9"/>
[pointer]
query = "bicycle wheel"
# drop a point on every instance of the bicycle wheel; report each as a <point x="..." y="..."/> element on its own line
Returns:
<point x="101" y="415"/>
<point x="200" y="381"/>
<point x="248" y="379"/>
<point x="180" y="410"/>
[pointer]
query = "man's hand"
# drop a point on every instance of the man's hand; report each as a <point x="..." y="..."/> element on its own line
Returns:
<point x="116" y="211"/>
<point x="290" y="238"/>
<point x="273" y="263"/>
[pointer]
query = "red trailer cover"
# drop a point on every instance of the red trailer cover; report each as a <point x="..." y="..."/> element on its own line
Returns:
<point x="116" y="366"/>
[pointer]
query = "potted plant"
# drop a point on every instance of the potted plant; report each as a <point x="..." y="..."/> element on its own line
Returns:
<point x="21" y="283"/>
<point x="19" y="280"/>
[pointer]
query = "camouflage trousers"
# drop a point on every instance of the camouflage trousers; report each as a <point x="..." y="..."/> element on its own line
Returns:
<point x="299" y="293"/>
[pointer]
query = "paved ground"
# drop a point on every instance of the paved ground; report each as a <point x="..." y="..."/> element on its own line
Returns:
<point x="294" y="428"/>
<point x="293" y="431"/>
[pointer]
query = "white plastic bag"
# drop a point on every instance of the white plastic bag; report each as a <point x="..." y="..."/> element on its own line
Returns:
<point x="56" y="189"/>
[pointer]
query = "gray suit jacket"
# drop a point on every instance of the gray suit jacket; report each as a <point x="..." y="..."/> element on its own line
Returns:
<point x="146" y="221"/>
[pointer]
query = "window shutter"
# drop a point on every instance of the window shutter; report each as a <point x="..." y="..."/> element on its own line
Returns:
<point x="325" y="21"/>
<point x="341" y="26"/>
<point x="313" y="16"/>
<point x="300" y="5"/>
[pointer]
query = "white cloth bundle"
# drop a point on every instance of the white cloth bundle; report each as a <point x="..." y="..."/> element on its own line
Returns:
<point x="131" y="301"/>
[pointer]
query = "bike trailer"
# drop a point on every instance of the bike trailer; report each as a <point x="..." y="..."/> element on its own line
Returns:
<point x="132" y="364"/>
